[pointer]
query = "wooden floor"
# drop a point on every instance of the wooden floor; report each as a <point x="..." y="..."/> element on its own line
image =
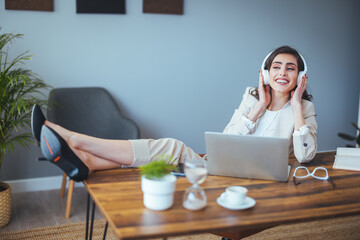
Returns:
<point x="46" y="208"/>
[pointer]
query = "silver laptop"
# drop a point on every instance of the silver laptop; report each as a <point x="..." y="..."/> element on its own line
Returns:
<point x="247" y="156"/>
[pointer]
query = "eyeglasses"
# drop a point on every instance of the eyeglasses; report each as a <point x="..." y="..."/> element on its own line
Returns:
<point x="318" y="173"/>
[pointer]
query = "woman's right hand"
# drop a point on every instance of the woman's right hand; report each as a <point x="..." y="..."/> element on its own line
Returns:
<point x="264" y="92"/>
<point x="264" y="100"/>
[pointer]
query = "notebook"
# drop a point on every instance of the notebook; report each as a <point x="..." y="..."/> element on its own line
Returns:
<point x="347" y="159"/>
<point x="247" y="156"/>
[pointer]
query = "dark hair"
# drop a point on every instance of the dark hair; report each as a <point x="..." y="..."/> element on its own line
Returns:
<point x="269" y="60"/>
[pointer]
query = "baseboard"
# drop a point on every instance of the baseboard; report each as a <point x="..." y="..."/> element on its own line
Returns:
<point x="38" y="184"/>
<point x="330" y="150"/>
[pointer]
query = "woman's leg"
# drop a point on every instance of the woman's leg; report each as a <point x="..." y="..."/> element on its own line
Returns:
<point x="93" y="162"/>
<point x="96" y="153"/>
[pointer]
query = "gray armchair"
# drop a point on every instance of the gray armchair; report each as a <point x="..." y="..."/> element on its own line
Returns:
<point x="91" y="111"/>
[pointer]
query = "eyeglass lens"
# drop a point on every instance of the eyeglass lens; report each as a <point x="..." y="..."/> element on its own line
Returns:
<point x="320" y="172"/>
<point x="301" y="172"/>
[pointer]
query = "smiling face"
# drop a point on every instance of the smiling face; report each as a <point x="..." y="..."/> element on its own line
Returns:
<point x="283" y="73"/>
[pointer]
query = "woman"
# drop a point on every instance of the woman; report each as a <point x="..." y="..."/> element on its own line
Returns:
<point x="282" y="109"/>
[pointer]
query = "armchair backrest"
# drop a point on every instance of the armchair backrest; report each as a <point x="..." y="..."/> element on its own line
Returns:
<point x="92" y="111"/>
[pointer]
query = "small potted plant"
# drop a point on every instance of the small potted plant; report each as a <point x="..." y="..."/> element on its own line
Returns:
<point x="351" y="138"/>
<point x="20" y="90"/>
<point x="158" y="184"/>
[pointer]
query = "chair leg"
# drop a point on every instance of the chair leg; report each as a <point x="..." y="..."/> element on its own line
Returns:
<point x="69" y="198"/>
<point x="63" y="186"/>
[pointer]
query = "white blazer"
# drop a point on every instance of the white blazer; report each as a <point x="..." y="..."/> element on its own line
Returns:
<point x="302" y="143"/>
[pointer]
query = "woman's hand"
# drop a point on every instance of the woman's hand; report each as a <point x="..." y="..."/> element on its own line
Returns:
<point x="264" y="92"/>
<point x="264" y="100"/>
<point x="296" y="95"/>
<point x="295" y="102"/>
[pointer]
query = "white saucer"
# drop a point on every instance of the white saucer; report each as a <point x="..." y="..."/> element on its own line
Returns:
<point x="248" y="203"/>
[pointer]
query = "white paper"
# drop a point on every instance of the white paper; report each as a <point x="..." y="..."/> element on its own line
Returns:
<point x="347" y="158"/>
<point x="348" y="151"/>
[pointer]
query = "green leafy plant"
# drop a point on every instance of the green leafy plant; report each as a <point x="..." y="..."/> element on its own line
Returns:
<point x="351" y="138"/>
<point x="158" y="168"/>
<point x="20" y="89"/>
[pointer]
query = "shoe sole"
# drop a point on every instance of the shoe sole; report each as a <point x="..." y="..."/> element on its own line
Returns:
<point x="37" y="121"/>
<point x="56" y="150"/>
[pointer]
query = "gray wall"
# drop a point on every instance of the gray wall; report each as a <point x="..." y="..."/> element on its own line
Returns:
<point x="178" y="76"/>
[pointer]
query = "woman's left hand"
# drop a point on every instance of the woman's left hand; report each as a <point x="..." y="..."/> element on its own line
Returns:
<point x="296" y="95"/>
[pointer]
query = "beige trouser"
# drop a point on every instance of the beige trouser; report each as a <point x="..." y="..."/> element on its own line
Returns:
<point x="146" y="150"/>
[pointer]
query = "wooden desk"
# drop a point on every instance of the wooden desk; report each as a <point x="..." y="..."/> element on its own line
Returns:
<point x="117" y="193"/>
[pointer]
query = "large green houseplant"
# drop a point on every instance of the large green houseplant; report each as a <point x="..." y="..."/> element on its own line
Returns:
<point x="20" y="88"/>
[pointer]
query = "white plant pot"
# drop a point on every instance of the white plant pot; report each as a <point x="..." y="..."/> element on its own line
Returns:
<point x="158" y="194"/>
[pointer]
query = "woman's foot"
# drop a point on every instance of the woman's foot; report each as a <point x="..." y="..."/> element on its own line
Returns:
<point x="62" y="132"/>
<point x="57" y="151"/>
<point x="37" y="121"/>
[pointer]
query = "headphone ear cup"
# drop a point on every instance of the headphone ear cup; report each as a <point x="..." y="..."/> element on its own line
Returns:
<point x="265" y="74"/>
<point x="301" y="74"/>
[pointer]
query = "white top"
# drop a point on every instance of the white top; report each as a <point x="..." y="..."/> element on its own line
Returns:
<point x="277" y="124"/>
<point x="265" y="127"/>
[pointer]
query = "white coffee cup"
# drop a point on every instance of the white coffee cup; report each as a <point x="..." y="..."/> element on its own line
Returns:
<point x="235" y="195"/>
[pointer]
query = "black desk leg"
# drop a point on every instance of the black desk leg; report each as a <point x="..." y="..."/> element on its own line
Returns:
<point x="92" y="220"/>
<point x="87" y="217"/>
<point x="105" y="230"/>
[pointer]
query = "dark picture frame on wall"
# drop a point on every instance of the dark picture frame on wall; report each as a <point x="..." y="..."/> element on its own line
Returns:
<point x="100" y="6"/>
<point x="34" y="5"/>
<point x="164" y="6"/>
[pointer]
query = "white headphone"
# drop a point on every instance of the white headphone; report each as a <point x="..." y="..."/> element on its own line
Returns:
<point x="265" y="72"/>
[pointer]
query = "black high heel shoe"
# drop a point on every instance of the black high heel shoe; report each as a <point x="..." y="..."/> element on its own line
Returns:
<point x="57" y="151"/>
<point x="37" y="121"/>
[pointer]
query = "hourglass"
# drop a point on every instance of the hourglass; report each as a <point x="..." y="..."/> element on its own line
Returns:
<point x="195" y="172"/>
